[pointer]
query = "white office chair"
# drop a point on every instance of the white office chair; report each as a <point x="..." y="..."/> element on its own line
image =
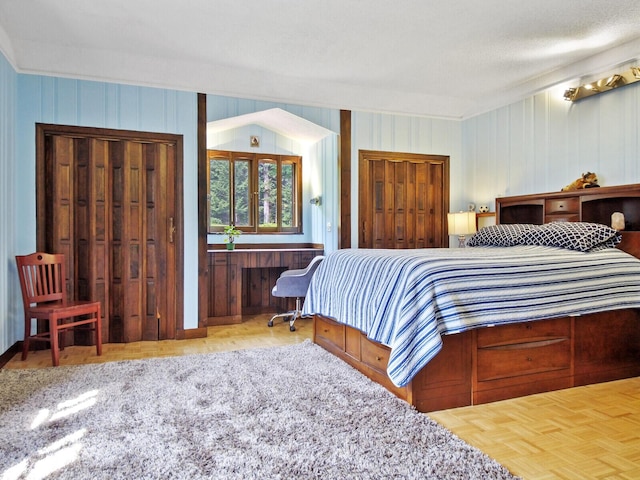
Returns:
<point x="294" y="284"/>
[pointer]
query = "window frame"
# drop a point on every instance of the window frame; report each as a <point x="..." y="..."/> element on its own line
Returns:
<point x="254" y="162"/>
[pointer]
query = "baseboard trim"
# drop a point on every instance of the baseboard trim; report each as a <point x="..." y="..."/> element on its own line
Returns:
<point x="9" y="354"/>
<point x="191" y="333"/>
<point x="228" y="320"/>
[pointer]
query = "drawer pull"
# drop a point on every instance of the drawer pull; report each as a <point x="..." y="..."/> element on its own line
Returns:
<point x="520" y="346"/>
<point x="529" y="359"/>
<point x="378" y="359"/>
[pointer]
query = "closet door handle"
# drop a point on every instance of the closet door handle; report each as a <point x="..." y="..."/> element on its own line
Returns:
<point x="172" y="229"/>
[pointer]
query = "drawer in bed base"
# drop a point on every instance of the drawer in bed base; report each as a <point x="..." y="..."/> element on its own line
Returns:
<point x="328" y="334"/>
<point x="523" y="359"/>
<point x="520" y="386"/>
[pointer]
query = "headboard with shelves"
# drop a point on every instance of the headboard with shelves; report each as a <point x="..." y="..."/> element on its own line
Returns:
<point x="589" y="205"/>
<point x="597" y="208"/>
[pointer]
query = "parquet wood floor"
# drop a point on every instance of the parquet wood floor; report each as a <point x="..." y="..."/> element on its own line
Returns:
<point x="590" y="432"/>
<point x="251" y="333"/>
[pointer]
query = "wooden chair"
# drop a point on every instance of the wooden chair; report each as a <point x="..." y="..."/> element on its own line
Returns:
<point x="44" y="295"/>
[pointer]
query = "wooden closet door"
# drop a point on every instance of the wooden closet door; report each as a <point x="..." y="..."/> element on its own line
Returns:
<point x="142" y="242"/>
<point x="91" y="242"/>
<point x="110" y="208"/>
<point x="403" y="200"/>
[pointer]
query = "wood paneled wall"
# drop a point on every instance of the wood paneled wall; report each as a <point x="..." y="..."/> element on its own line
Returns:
<point x="240" y="281"/>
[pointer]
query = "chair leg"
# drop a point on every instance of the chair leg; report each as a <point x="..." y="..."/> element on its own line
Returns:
<point x="98" y="332"/>
<point x="279" y="315"/>
<point x="294" y="314"/>
<point x="297" y="314"/>
<point x="55" y="347"/>
<point x="27" y="334"/>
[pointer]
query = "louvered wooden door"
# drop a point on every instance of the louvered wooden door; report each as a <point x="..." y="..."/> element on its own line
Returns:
<point x="403" y="200"/>
<point x="110" y="207"/>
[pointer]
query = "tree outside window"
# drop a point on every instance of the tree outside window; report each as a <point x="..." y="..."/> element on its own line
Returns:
<point x="256" y="192"/>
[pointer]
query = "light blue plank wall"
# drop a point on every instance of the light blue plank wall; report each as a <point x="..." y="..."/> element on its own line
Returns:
<point x="323" y="181"/>
<point x="10" y="311"/>
<point x="95" y="104"/>
<point x="542" y="143"/>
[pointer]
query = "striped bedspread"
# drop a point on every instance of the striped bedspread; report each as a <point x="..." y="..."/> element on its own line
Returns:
<point x="407" y="299"/>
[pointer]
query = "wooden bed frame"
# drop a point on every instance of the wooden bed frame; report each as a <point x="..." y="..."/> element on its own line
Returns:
<point x="495" y="363"/>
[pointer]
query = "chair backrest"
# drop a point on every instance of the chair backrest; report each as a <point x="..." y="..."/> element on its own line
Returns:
<point x="313" y="265"/>
<point x="42" y="278"/>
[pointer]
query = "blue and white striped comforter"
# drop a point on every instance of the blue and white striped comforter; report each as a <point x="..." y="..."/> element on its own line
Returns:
<point x="407" y="299"/>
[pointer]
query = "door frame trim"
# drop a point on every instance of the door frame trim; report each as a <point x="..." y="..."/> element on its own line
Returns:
<point x="44" y="129"/>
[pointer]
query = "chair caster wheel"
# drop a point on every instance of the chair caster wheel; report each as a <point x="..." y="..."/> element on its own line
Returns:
<point x="270" y="323"/>
<point x="292" y="328"/>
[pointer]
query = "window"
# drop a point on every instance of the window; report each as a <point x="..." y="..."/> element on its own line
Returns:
<point x="256" y="192"/>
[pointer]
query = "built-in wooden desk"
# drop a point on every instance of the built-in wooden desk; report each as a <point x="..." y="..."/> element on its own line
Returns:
<point x="241" y="280"/>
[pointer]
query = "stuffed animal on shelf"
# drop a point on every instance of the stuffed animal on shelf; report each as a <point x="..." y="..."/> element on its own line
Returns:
<point x="587" y="180"/>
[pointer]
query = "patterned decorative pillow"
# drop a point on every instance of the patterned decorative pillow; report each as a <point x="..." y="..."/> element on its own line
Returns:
<point x="581" y="236"/>
<point x="502" y="235"/>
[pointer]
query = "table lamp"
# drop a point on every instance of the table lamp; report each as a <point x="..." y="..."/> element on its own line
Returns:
<point x="461" y="224"/>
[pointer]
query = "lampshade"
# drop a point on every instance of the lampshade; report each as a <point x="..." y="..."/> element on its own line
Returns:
<point x="462" y="223"/>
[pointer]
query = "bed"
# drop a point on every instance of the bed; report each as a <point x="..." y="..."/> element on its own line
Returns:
<point x="526" y="309"/>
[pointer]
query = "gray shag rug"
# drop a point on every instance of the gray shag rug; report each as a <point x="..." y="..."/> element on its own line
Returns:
<point x="274" y="413"/>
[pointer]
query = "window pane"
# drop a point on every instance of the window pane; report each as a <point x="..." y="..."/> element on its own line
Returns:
<point x="288" y="198"/>
<point x="267" y="194"/>
<point x="242" y="196"/>
<point x="260" y="193"/>
<point x="219" y="193"/>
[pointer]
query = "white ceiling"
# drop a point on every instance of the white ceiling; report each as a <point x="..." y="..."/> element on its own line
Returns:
<point x="451" y="59"/>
